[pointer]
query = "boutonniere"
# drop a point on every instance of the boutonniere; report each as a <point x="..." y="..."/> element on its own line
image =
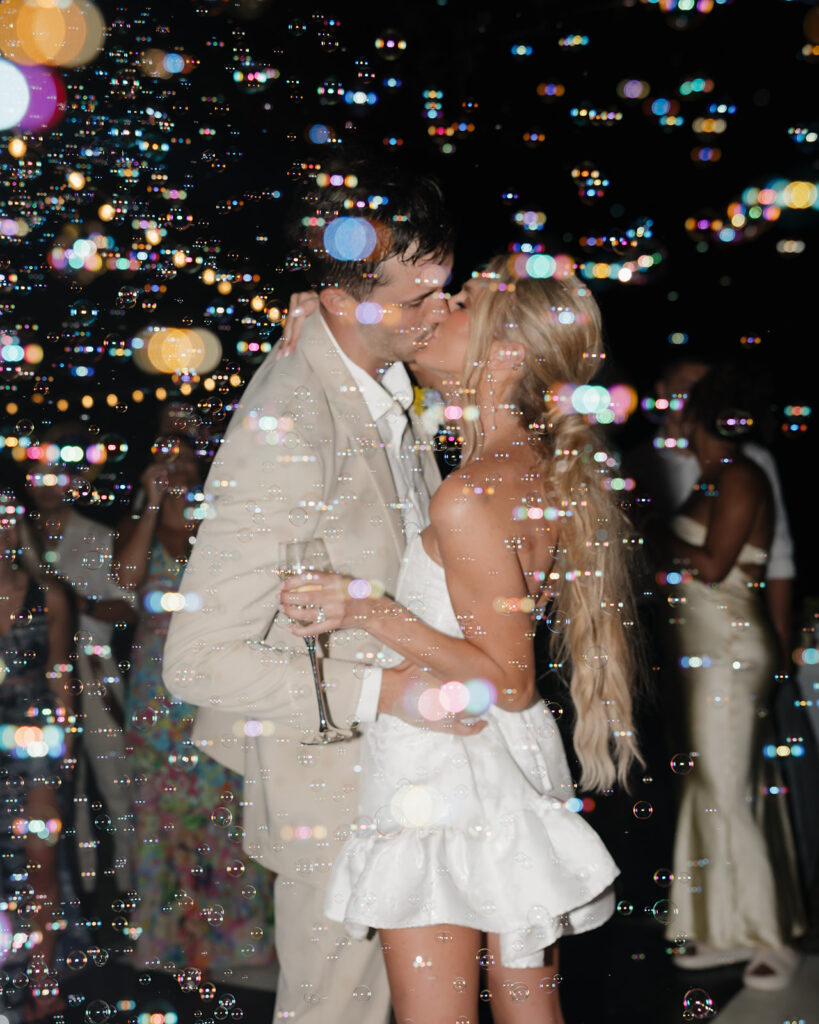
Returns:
<point x="428" y="406"/>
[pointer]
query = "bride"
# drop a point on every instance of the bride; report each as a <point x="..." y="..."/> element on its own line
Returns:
<point x="469" y="853"/>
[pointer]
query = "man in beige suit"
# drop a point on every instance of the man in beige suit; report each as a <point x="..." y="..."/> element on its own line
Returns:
<point x="320" y="446"/>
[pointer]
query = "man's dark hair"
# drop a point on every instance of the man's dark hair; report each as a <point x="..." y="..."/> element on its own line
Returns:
<point x="404" y="214"/>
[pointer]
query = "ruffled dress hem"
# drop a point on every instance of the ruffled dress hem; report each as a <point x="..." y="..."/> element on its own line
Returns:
<point x="422" y="877"/>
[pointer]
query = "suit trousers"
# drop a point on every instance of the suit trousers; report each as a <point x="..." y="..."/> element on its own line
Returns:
<point x="325" y="977"/>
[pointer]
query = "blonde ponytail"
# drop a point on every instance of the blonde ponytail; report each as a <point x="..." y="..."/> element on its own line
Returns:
<point x="558" y="323"/>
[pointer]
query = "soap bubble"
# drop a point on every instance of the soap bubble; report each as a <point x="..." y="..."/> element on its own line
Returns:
<point x="663" y="911"/>
<point x="519" y="992"/>
<point x="698" y="1004"/>
<point x="681" y="764"/>
<point x="734" y="422"/>
<point x="221" y="817"/>
<point x="485" y="958"/>
<point x="76" y="959"/>
<point x="98" y="1012"/>
<point x="663" y="877"/>
<point x="595" y="658"/>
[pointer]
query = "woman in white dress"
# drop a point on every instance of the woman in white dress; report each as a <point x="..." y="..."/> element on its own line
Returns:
<point x="469" y="853"/>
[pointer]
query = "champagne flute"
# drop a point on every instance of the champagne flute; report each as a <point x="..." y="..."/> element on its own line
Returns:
<point x="300" y="557"/>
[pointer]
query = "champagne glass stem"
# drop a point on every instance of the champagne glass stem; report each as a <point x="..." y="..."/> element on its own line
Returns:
<point x="310" y="643"/>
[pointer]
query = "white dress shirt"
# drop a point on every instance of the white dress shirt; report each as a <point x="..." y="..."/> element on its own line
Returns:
<point x="83" y="556"/>
<point x="387" y="401"/>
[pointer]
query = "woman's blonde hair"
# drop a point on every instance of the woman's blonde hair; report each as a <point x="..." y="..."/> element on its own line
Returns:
<point x="557" y="323"/>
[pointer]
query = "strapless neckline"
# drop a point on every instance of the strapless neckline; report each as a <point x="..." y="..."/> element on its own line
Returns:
<point x="425" y="556"/>
<point x="422" y="588"/>
<point x="692" y="531"/>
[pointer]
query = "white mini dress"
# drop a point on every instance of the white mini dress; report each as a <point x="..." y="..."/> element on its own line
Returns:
<point x="481" y="831"/>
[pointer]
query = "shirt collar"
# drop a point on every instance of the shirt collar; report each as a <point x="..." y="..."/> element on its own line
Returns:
<point x="379" y="396"/>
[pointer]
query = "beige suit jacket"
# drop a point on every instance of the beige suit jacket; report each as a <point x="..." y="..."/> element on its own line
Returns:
<point x="301" y="458"/>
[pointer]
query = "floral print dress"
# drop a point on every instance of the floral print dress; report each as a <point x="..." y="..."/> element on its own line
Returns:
<point x="204" y="904"/>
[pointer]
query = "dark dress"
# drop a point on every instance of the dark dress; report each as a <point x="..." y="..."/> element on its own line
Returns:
<point x="32" y="744"/>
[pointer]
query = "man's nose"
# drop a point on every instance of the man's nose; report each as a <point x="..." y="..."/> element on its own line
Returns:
<point x="439" y="310"/>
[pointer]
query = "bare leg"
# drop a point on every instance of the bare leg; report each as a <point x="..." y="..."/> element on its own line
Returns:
<point x="526" y="995"/>
<point x="433" y="973"/>
<point x="41" y="860"/>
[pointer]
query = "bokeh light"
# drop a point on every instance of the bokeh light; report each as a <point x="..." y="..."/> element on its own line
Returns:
<point x="177" y="350"/>
<point x="69" y="33"/>
<point x="350" y="238"/>
<point x="15" y="95"/>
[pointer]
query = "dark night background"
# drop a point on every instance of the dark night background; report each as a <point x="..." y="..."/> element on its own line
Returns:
<point x="236" y="127"/>
<point x="237" y="145"/>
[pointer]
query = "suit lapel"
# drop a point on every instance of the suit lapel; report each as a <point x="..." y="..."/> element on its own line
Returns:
<point x="356" y="433"/>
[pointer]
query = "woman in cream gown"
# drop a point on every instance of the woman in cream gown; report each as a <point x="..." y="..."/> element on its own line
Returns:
<point x="729" y="907"/>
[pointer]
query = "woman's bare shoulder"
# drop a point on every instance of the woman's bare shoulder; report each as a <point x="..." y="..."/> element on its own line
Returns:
<point x="456" y="498"/>
<point x="743" y="475"/>
<point x="482" y="491"/>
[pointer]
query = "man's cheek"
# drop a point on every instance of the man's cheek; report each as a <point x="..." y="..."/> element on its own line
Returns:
<point x="391" y="317"/>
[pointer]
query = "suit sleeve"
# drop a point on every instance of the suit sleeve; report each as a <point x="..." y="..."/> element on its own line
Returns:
<point x="265" y="475"/>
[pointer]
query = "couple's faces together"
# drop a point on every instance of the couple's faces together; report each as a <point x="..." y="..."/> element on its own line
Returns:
<point x="409" y="316"/>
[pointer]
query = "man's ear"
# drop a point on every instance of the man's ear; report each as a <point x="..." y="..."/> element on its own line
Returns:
<point x="506" y="355"/>
<point x="337" y="302"/>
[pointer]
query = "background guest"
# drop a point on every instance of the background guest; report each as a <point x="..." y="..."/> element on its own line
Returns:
<point x="730" y="907"/>
<point x="79" y="549"/>
<point x="203" y="906"/>
<point x="666" y="469"/>
<point x="36" y="747"/>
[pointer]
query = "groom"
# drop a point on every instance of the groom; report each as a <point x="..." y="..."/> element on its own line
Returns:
<point x="320" y="446"/>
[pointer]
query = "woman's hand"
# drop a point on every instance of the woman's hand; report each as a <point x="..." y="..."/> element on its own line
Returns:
<point x="154" y="482"/>
<point x="321" y="601"/>
<point x="301" y="305"/>
<point x="415" y="697"/>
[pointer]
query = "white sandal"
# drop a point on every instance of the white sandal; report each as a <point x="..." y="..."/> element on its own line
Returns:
<point x="782" y="962"/>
